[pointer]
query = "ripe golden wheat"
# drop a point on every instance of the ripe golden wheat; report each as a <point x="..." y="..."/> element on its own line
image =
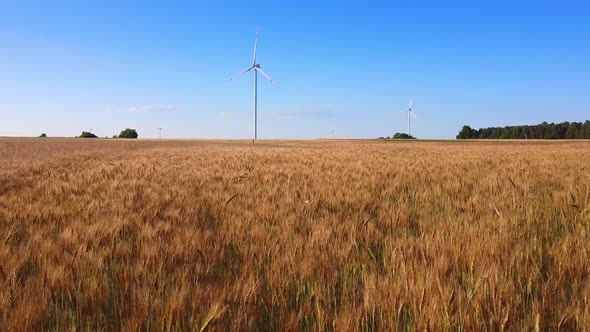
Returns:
<point x="320" y="235"/>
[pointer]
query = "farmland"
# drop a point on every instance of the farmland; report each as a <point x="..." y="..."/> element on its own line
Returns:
<point x="288" y="235"/>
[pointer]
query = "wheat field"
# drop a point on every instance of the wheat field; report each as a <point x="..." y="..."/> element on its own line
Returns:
<point x="294" y="235"/>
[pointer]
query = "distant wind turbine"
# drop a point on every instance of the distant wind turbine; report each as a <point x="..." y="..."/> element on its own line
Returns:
<point x="410" y="112"/>
<point x="159" y="132"/>
<point x="257" y="70"/>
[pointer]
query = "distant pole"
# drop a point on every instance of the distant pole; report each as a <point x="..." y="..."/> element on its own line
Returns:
<point x="255" y="106"/>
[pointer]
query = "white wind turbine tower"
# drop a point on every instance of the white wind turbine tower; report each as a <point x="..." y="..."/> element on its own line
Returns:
<point x="410" y="112"/>
<point x="257" y="70"/>
<point x="159" y="132"/>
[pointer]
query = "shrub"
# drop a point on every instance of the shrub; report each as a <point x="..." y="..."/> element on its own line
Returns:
<point x="128" y="133"/>
<point x="86" y="134"/>
<point x="403" y="136"/>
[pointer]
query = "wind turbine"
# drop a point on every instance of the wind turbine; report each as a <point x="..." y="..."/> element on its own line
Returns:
<point x="159" y="132"/>
<point x="410" y="112"/>
<point x="257" y="70"/>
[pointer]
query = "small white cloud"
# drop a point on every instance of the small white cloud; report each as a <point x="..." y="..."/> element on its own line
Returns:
<point x="143" y="109"/>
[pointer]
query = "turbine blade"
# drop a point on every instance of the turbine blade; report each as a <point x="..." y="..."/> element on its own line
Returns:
<point x="411" y="102"/>
<point x="267" y="77"/>
<point x="414" y="115"/>
<point x="255" y="44"/>
<point x="238" y="75"/>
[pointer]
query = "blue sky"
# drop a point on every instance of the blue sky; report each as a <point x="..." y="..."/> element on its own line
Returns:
<point x="347" y="67"/>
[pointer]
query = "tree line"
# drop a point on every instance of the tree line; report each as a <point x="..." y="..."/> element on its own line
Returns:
<point x="125" y="133"/>
<point x="563" y="130"/>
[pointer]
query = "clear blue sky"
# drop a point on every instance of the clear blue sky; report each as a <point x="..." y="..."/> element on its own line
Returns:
<point x="347" y="67"/>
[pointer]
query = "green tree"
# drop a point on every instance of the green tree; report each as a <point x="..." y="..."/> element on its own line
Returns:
<point x="582" y="130"/>
<point x="516" y="132"/>
<point x="466" y="133"/>
<point x="86" y="134"/>
<point x="43" y="135"/>
<point x="128" y="133"/>
<point x="526" y="132"/>
<point x="403" y="136"/>
<point x="561" y="129"/>
<point x="572" y="131"/>
<point x="486" y="133"/>
<point x="496" y="132"/>
<point x="506" y="132"/>
<point x="531" y="131"/>
<point x="586" y="129"/>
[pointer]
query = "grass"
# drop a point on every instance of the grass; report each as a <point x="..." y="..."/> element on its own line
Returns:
<point x="285" y="235"/>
